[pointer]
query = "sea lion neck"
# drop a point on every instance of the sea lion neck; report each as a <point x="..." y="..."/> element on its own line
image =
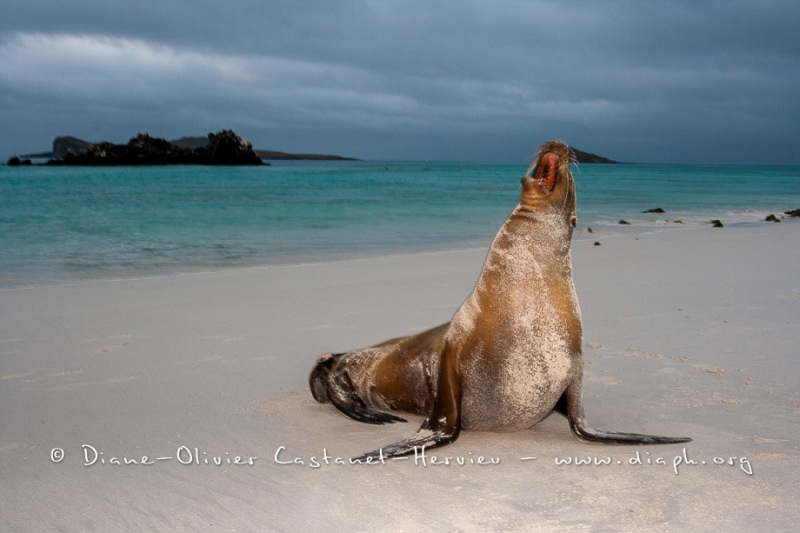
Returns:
<point x="543" y="230"/>
<point x="556" y="208"/>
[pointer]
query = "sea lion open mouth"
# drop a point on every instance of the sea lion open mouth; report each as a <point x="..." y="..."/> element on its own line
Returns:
<point x="546" y="170"/>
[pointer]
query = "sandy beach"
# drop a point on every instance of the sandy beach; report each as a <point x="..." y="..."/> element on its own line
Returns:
<point x="118" y="397"/>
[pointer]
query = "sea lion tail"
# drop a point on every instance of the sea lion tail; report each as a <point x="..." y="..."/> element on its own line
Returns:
<point x="330" y="383"/>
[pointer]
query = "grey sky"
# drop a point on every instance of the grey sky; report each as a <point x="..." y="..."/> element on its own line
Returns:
<point x="661" y="82"/>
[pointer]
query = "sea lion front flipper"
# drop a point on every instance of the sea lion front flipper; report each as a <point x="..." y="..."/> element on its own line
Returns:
<point x="443" y="425"/>
<point x="570" y="405"/>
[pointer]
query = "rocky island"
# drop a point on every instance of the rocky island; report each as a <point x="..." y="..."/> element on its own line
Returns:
<point x="586" y="157"/>
<point x="221" y="148"/>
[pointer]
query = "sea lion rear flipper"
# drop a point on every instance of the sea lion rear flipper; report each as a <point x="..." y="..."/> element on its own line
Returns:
<point x="570" y="405"/>
<point x="327" y="382"/>
<point x="443" y="425"/>
<point x="344" y="397"/>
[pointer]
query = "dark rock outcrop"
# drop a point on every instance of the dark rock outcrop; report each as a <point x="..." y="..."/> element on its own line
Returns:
<point x="586" y="157"/>
<point x="227" y="148"/>
<point x="222" y="148"/>
<point x="193" y="150"/>
<point x="16" y="162"/>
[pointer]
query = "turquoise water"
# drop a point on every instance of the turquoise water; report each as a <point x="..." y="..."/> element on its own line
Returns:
<point x="64" y="224"/>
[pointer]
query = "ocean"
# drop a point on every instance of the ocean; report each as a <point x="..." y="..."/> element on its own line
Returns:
<point x="68" y="224"/>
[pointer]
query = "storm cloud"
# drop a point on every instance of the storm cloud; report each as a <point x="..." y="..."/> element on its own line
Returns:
<point x="666" y="82"/>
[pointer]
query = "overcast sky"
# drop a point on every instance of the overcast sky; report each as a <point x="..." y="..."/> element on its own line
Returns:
<point x="658" y="82"/>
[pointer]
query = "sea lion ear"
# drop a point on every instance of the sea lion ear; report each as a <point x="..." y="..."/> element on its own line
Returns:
<point x="573" y="220"/>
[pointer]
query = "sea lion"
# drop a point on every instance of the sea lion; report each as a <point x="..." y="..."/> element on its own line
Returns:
<point x="512" y="352"/>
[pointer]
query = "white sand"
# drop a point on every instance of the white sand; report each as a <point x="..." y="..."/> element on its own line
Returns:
<point x="689" y="333"/>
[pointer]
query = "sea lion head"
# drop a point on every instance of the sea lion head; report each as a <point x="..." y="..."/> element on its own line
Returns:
<point x="548" y="183"/>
